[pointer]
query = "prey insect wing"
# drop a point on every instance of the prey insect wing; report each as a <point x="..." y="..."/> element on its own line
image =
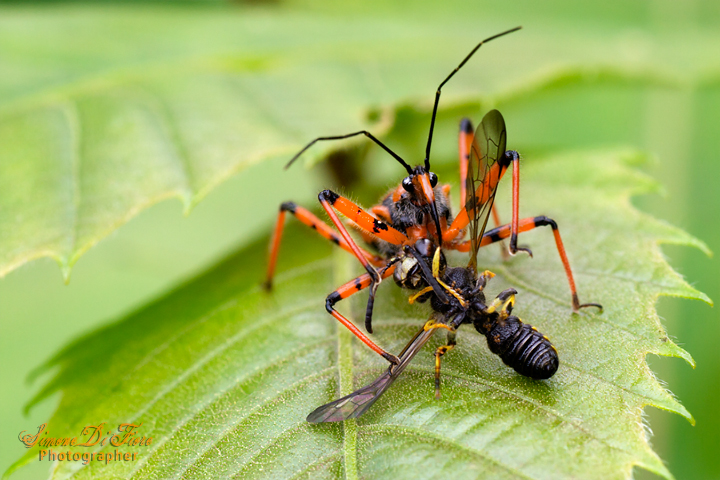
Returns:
<point x="484" y="172"/>
<point x="353" y="405"/>
<point x="358" y="402"/>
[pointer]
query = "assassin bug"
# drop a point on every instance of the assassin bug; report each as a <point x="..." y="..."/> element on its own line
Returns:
<point x="417" y="209"/>
<point x="518" y="344"/>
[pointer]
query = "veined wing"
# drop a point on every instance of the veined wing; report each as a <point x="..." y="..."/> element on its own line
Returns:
<point x="484" y="171"/>
<point x="358" y="402"/>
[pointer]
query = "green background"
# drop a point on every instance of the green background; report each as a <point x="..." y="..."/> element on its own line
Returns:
<point x="679" y="124"/>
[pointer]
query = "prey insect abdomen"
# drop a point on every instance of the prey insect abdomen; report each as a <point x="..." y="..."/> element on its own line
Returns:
<point x="523" y="348"/>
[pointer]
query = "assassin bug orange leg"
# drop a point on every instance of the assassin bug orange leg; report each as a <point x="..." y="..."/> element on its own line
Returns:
<point x="496" y="220"/>
<point x="487" y="163"/>
<point x="331" y="200"/>
<point x="307" y="218"/>
<point x="360" y="283"/>
<point x="515" y="159"/>
<point x="487" y="190"/>
<point x="527" y="224"/>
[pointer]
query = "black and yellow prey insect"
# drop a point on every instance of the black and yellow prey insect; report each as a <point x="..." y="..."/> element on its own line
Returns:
<point x="456" y="293"/>
<point x="518" y="344"/>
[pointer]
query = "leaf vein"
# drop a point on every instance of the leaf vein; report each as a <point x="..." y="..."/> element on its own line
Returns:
<point x="525" y="399"/>
<point x="423" y="434"/>
<point x="320" y="461"/>
<point x="224" y="390"/>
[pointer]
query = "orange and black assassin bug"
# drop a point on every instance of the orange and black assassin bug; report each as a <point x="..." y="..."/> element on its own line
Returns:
<point x="416" y="209"/>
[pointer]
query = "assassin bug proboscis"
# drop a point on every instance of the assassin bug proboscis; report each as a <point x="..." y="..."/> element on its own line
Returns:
<point x="415" y="210"/>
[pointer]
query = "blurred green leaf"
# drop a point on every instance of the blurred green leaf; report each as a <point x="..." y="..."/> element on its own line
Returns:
<point x="222" y="374"/>
<point x="105" y="110"/>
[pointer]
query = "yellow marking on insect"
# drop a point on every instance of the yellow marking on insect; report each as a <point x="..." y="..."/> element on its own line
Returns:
<point x="493" y="306"/>
<point x="436" y="263"/>
<point x="419" y="294"/>
<point x="444" y="349"/>
<point x="452" y="292"/>
<point x="431" y="324"/>
<point x="498" y="303"/>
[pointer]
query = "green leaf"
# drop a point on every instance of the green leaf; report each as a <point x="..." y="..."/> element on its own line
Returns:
<point x="100" y="123"/>
<point x="222" y="374"/>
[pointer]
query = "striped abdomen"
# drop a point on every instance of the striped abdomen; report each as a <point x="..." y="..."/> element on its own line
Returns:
<point x="523" y="348"/>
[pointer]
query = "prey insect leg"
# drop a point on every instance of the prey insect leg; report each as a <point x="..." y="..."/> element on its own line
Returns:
<point x="438" y="354"/>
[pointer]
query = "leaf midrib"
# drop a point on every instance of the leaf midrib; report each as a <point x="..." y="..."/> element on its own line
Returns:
<point x="342" y="272"/>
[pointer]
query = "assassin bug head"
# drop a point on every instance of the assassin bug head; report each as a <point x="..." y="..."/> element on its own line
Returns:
<point x="412" y="184"/>
<point x="420" y="184"/>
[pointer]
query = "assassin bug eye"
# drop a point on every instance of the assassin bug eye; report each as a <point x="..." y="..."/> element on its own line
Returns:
<point x="408" y="185"/>
<point x="433" y="179"/>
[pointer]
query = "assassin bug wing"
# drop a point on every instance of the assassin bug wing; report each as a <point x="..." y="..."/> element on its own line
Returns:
<point x="358" y="402"/>
<point x="484" y="172"/>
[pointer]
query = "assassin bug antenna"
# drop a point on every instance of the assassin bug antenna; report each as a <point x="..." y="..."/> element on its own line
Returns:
<point x="437" y="93"/>
<point x="341" y="137"/>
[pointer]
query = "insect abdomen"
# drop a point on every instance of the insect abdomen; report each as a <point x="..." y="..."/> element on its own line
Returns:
<point x="523" y="348"/>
